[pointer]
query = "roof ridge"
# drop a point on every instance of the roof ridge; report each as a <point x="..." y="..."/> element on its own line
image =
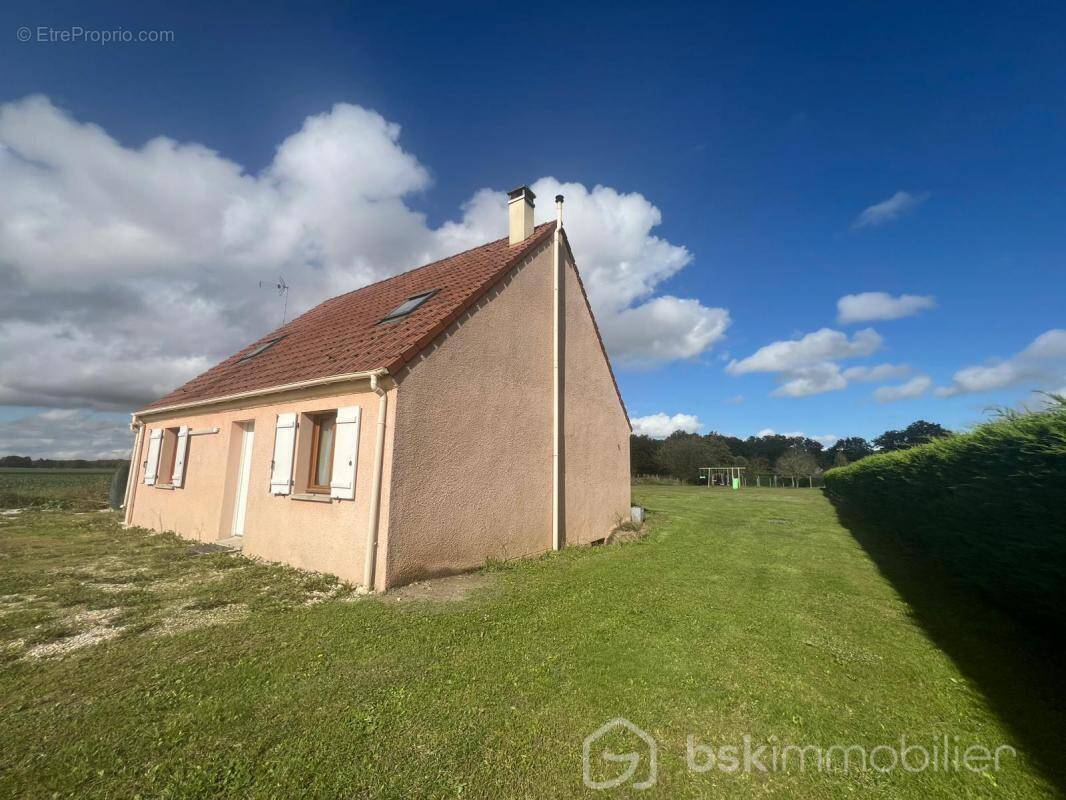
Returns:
<point x="429" y="264"/>
<point x="308" y="346"/>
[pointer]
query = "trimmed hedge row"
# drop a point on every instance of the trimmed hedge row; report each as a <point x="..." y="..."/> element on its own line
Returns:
<point x="990" y="505"/>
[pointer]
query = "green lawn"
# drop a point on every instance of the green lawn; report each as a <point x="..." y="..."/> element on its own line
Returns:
<point x="742" y="613"/>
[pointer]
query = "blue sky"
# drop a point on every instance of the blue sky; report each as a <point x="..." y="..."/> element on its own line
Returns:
<point x="761" y="135"/>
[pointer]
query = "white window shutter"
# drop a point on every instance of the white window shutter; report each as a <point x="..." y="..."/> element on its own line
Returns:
<point x="284" y="446"/>
<point x="345" y="453"/>
<point x="151" y="464"/>
<point x="182" y="446"/>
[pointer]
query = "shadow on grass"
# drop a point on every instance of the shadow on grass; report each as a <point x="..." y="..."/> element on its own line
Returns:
<point x="1018" y="669"/>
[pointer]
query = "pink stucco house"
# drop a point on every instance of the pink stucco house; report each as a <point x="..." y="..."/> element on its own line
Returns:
<point x="462" y="411"/>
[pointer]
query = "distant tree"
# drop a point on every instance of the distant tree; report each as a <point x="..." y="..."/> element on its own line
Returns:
<point x="759" y="464"/>
<point x="682" y="454"/>
<point x="795" y="462"/>
<point x="916" y="433"/>
<point x="854" y="448"/>
<point x="737" y="447"/>
<point x="770" y="447"/>
<point x="644" y="455"/>
<point x="16" y="461"/>
<point x="839" y="459"/>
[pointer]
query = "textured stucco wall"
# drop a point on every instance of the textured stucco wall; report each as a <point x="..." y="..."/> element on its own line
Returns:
<point x="471" y="476"/>
<point x="326" y="537"/>
<point x="472" y="468"/>
<point x="596" y="454"/>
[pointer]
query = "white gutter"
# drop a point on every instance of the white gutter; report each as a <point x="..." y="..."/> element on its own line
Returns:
<point x="348" y="376"/>
<point x="557" y="306"/>
<point x="375" y="485"/>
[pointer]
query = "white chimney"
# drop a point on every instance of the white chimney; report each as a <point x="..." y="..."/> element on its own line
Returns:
<point x="520" y="213"/>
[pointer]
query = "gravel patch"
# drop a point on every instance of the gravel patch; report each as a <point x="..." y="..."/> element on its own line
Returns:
<point x="99" y="630"/>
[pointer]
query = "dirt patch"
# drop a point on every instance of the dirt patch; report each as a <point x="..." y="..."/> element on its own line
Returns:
<point x="626" y="532"/>
<point x="10" y="603"/>
<point x="113" y="588"/>
<point x="441" y="590"/>
<point x="184" y="620"/>
<point x="97" y="624"/>
<point x="315" y="597"/>
<point x="206" y="548"/>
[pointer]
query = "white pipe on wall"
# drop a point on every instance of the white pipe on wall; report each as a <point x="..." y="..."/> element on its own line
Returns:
<point x="557" y="307"/>
<point x="375" y="485"/>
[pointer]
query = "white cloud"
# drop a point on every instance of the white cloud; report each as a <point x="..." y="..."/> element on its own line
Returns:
<point x="735" y="400"/>
<point x="870" y="306"/>
<point x="128" y="270"/>
<point x="915" y="387"/>
<point x="66" y="433"/>
<point x="1041" y="365"/>
<point x="809" y="350"/>
<point x="807" y="365"/>
<point x="881" y="372"/>
<point x="890" y="209"/>
<point x="662" y="329"/>
<point x="815" y="379"/>
<point x="659" y="426"/>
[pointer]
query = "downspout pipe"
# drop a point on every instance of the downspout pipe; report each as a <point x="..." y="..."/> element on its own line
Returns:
<point x="375" y="484"/>
<point x="557" y="398"/>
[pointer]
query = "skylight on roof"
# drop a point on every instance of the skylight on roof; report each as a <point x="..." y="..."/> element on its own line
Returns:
<point x="259" y="349"/>
<point x="408" y="305"/>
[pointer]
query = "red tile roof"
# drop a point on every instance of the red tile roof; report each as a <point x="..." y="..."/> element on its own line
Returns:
<point x="343" y="334"/>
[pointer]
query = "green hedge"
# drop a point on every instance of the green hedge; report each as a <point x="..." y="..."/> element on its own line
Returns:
<point x="990" y="505"/>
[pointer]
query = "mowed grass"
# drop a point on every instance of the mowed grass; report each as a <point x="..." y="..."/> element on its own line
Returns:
<point x="72" y="489"/>
<point x="742" y="613"/>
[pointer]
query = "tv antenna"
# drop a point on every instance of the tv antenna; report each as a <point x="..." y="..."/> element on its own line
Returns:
<point x="283" y="291"/>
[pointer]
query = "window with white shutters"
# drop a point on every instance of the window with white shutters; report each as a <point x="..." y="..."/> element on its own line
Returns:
<point x="151" y="464"/>
<point x="284" y="447"/>
<point x="345" y="453"/>
<point x="181" y="448"/>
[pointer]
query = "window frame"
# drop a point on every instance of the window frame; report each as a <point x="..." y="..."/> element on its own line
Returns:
<point x="168" y="448"/>
<point x="260" y="349"/>
<point x="313" y="459"/>
<point x="421" y="297"/>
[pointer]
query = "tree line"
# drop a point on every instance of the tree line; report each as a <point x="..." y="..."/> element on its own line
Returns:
<point x="680" y="455"/>
<point x="60" y="463"/>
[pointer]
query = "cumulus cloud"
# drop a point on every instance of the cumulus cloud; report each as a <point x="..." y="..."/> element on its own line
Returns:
<point x="890" y="209"/>
<point x="875" y="374"/>
<point x="662" y="329"/>
<point x="809" y="350"/>
<point x="870" y="306"/>
<point x="807" y="365"/>
<point x="128" y="270"/>
<point x="1041" y="365"/>
<point x="815" y="379"/>
<point x="659" y="426"/>
<point x="915" y="387"/>
<point x="66" y="433"/>
<point x="621" y="265"/>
